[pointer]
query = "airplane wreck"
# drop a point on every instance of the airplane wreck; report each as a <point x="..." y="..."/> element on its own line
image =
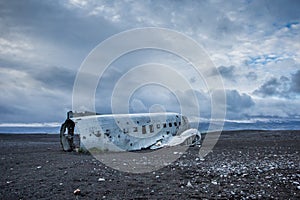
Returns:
<point x="127" y="132"/>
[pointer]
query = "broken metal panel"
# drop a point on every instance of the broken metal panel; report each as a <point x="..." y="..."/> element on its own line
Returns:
<point x="130" y="132"/>
<point x="188" y="137"/>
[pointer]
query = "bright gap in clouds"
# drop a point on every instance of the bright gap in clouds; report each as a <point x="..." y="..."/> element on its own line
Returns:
<point x="164" y="90"/>
<point x="153" y="98"/>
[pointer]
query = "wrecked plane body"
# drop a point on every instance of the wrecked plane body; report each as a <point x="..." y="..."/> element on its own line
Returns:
<point x="132" y="132"/>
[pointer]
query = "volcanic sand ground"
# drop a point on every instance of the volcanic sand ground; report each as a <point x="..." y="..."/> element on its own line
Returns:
<point x="243" y="165"/>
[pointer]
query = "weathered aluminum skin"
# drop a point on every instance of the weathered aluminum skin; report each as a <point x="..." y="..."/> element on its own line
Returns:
<point x="131" y="132"/>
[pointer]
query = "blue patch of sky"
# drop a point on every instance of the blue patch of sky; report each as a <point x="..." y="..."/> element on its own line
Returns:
<point x="288" y="25"/>
<point x="263" y="59"/>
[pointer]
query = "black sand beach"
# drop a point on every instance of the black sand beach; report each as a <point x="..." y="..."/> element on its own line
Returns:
<point x="243" y="165"/>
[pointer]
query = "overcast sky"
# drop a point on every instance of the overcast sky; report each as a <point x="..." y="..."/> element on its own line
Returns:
<point x="255" y="45"/>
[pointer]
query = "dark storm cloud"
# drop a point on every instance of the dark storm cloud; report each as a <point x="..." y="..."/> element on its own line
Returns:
<point x="49" y="20"/>
<point x="283" y="10"/>
<point x="57" y="78"/>
<point x="55" y="41"/>
<point x="227" y="72"/>
<point x="224" y="71"/>
<point x="251" y="76"/>
<point x="269" y="88"/>
<point x="10" y="113"/>
<point x="51" y="77"/>
<point x="280" y="87"/>
<point x="8" y="110"/>
<point x="237" y="102"/>
<point x="295" y="85"/>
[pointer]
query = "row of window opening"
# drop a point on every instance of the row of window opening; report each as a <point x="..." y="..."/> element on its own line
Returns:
<point x="151" y="127"/>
